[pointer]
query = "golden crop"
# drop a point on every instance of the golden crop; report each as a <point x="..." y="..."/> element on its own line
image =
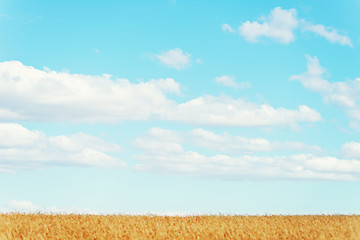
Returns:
<point x="71" y="226"/>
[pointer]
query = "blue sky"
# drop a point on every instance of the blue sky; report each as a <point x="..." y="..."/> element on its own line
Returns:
<point x="180" y="107"/>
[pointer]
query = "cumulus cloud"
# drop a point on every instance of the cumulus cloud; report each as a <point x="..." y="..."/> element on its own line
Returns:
<point x="351" y="150"/>
<point x="174" y="58"/>
<point x="344" y="94"/>
<point x="225" y="111"/>
<point x="313" y="78"/>
<point x="229" y="81"/>
<point x="169" y="156"/>
<point x="226" y="143"/>
<point x="27" y="93"/>
<point x="226" y="80"/>
<point x="223" y="143"/>
<point x="329" y="33"/>
<point x="281" y="24"/>
<point x="227" y="28"/>
<point x="21" y="148"/>
<point x="296" y="167"/>
<point x="355" y="114"/>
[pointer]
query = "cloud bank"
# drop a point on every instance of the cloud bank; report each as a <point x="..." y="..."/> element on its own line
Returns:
<point x="223" y="143"/>
<point x="164" y="153"/>
<point x="225" y="111"/>
<point x="27" y="93"/>
<point x="22" y="149"/>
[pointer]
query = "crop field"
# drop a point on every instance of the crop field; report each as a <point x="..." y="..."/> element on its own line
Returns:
<point x="71" y="226"/>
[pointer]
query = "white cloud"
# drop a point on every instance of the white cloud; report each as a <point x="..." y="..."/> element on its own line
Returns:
<point x="22" y="206"/>
<point x="226" y="80"/>
<point x="14" y="135"/>
<point x="29" y="207"/>
<point x="174" y="58"/>
<point x="355" y="114"/>
<point x="169" y="156"/>
<point x="162" y="140"/>
<point x="15" y="206"/>
<point x="27" y="93"/>
<point x="163" y="153"/>
<point x="225" y="111"/>
<point x="279" y="25"/>
<point x="313" y="78"/>
<point x="355" y="125"/>
<point x="296" y="167"/>
<point x="229" y="81"/>
<point x="226" y="143"/>
<point x="227" y="28"/>
<point x="328" y="33"/>
<point x="351" y="150"/>
<point x="21" y="148"/>
<point x="344" y="94"/>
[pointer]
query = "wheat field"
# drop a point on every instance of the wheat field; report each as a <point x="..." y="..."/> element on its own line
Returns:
<point x="72" y="226"/>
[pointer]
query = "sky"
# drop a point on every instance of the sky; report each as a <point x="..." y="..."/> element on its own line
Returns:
<point x="180" y="107"/>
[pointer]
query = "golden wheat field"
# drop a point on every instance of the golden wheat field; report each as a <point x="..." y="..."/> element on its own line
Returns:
<point x="71" y="226"/>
